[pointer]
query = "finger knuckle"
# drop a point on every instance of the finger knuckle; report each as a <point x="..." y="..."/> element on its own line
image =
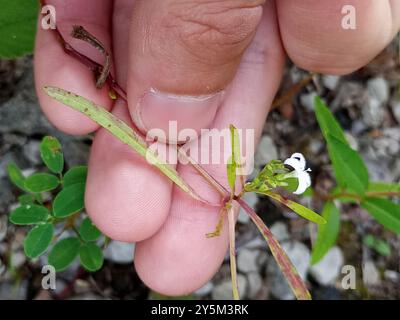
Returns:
<point x="212" y="28"/>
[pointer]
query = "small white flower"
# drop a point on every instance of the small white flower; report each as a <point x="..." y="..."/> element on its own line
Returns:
<point x="298" y="163"/>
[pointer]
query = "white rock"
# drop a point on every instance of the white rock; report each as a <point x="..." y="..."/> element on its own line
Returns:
<point x="307" y="100"/>
<point x="328" y="269"/>
<point x="373" y="113"/>
<point x="205" y="290"/>
<point x="251" y="199"/>
<point x="280" y="231"/>
<point x="223" y="291"/>
<point x="31" y="151"/>
<point x="371" y="275"/>
<point x="255" y="282"/>
<point x="18" y="258"/>
<point x="330" y="81"/>
<point x="120" y="252"/>
<point x="396" y="110"/>
<point x="266" y="151"/>
<point x="247" y="260"/>
<point x="3" y="227"/>
<point x="392" y="275"/>
<point x="299" y="254"/>
<point x="379" y="89"/>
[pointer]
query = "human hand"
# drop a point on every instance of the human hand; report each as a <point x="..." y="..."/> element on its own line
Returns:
<point x="190" y="48"/>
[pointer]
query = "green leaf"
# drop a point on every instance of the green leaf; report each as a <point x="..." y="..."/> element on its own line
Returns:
<point x="327" y="233"/>
<point x="41" y="182"/>
<point x="70" y="200"/>
<point x="296" y="207"/>
<point x="29" y="214"/>
<point x="16" y="176"/>
<point x="64" y="253"/>
<point x="286" y="266"/>
<point x="26" y="199"/>
<point x="231" y="173"/>
<point x="380" y="246"/>
<point x="384" y="187"/>
<point x="38" y="240"/>
<point x="122" y="131"/>
<point x="50" y="151"/>
<point x="348" y="166"/>
<point x="75" y="175"/>
<point x="91" y="257"/>
<point x="385" y="212"/>
<point x="17" y="27"/>
<point x="327" y="122"/>
<point x="88" y="230"/>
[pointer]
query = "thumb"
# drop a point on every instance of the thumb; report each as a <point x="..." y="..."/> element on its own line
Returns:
<point x="183" y="54"/>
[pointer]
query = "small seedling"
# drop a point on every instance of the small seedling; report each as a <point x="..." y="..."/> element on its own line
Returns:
<point x="61" y="215"/>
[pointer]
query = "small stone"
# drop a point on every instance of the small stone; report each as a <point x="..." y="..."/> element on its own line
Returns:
<point x="205" y="290"/>
<point x="280" y="231"/>
<point x="328" y="269"/>
<point x="266" y="151"/>
<point x="392" y="275"/>
<point x="18" y="259"/>
<point x="370" y="274"/>
<point x="8" y="290"/>
<point x="120" y="252"/>
<point x="373" y="113"/>
<point x="378" y="88"/>
<point x="396" y="111"/>
<point x="247" y="260"/>
<point x="330" y="81"/>
<point x="251" y="199"/>
<point x="307" y="100"/>
<point x="3" y="227"/>
<point x="255" y="284"/>
<point x="223" y="290"/>
<point x="31" y="152"/>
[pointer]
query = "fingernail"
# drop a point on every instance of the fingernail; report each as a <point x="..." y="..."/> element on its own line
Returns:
<point x="159" y="110"/>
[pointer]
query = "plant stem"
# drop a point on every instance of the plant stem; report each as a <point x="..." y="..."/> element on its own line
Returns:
<point x="232" y="253"/>
<point x="358" y="198"/>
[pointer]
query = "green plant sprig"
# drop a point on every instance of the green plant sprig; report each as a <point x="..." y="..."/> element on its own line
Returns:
<point x="65" y="209"/>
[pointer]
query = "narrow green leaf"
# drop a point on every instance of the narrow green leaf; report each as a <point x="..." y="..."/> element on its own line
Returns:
<point x="327" y="121"/>
<point x="293" y="278"/>
<point x="385" y="212"/>
<point x="38" y="240"/>
<point x="64" y="253"/>
<point x="70" y="200"/>
<point x="51" y="153"/>
<point x="18" y="19"/>
<point x="120" y="130"/>
<point x="91" y="257"/>
<point x="26" y="199"/>
<point x="88" y="230"/>
<point x="231" y="173"/>
<point x="383" y="187"/>
<point x="75" y="175"/>
<point x="327" y="233"/>
<point x="296" y="207"/>
<point x="348" y="166"/>
<point x="16" y="176"/>
<point x="29" y="214"/>
<point x="41" y="182"/>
